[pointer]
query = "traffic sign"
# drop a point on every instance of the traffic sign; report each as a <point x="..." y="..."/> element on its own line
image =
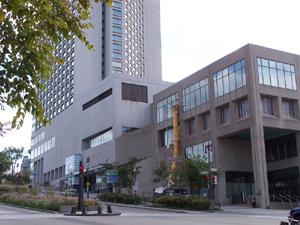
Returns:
<point x="135" y="186"/>
<point x="171" y="159"/>
<point x="107" y="171"/>
<point x="112" y="174"/>
<point x="112" y="181"/>
<point x="112" y="178"/>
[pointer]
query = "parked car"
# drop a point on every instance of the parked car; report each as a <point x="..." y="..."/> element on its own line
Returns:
<point x="294" y="216"/>
<point x="71" y="192"/>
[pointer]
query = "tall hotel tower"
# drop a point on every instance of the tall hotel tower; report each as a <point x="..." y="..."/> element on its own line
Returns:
<point x="97" y="96"/>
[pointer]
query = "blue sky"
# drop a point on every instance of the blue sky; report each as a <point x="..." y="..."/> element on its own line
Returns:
<point x="196" y="33"/>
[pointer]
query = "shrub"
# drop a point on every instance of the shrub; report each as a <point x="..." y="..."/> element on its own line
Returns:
<point x="122" y="198"/>
<point x="182" y="202"/>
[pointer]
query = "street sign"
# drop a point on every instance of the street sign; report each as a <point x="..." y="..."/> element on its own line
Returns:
<point x="108" y="171"/>
<point x="171" y="159"/>
<point x="67" y="181"/>
<point x="112" y="178"/>
<point x="34" y="174"/>
<point x="112" y="174"/>
<point x="135" y="186"/>
<point x="112" y="181"/>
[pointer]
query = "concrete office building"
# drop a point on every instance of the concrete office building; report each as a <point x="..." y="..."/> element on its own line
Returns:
<point x="246" y="105"/>
<point x="96" y="96"/>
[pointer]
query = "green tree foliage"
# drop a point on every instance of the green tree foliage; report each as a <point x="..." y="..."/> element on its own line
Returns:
<point x="179" y="177"/>
<point x="126" y="172"/>
<point x="5" y="163"/>
<point x="14" y="154"/>
<point x="30" y="29"/>
<point x="25" y="177"/>
<point x="161" y="174"/>
<point x="193" y="168"/>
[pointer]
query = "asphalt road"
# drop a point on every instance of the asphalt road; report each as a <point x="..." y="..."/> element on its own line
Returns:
<point x="143" y="216"/>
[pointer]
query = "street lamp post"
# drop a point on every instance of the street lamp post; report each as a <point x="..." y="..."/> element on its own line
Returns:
<point x="208" y="150"/>
<point x="87" y="177"/>
<point x="134" y="171"/>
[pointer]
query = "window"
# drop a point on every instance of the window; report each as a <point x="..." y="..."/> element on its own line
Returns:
<point x="126" y="130"/>
<point x="117" y="55"/>
<point x="117" y="4"/>
<point x="276" y="74"/>
<point x="117" y="64"/>
<point x="206" y="121"/>
<point x="96" y="100"/>
<point x="224" y="115"/>
<point x="267" y="106"/>
<point x="281" y="148"/>
<point x="117" y="21"/>
<point x="164" y="107"/>
<point x="167" y="137"/>
<point x="191" y="125"/>
<point x="117" y="47"/>
<point x="288" y="109"/>
<point x="117" y="29"/>
<point x="117" y="12"/>
<point x="229" y="79"/>
<point x="117" y="38"/>
<point x="195" y="94"/>
<point x="199" y="149"/>
<point x="133" y="92"/>
<point x="243" y="110"/>
<point x="102" y="138"/>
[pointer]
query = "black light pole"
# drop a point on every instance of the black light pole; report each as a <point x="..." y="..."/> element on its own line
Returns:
<point x="134" y="171"/>
<point x="208" y="150"/>
<point x="87" y="177"/>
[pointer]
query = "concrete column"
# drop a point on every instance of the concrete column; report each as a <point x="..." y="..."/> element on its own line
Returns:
<point x="260" y="167"/>
<point x="257" y="132"/>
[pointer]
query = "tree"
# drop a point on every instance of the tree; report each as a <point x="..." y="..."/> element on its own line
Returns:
<point x="161" y="174"/>
<point x="25" y="176"/>
<point x="30" y="30"/>
<point x="126" y="174"/>
<point x="193" y="168"/>
<point x="5" y="163"/>
<point x="179" y="177"/>
<point x="14" y="154"/>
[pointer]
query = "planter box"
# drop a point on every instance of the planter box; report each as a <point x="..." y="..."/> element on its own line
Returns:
<point x="65" y="208"/>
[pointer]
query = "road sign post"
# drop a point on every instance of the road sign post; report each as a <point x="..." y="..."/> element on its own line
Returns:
<point x="112" y="178"/>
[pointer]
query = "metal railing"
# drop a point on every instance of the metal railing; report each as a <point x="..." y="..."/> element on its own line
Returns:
<point x="289" y="200"/>
<point x="292" y="198"/>
<point x="274" y="198"/>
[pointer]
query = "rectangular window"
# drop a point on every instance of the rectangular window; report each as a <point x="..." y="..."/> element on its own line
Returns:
<point x="99" y="139"/>
<point x="206" y="121"/>
<point x="117" y="4"/>
<point x="230" y="78"/>
<point x="276" y="74"/>
<point x="126" y="130"/>
<point x="117" y="55"/>
<point x="117" y="29"/>
<point x="117" y="12"/>
<point x="117" y="38"/>
<point x="267" y="106"/>
<point x="117" y="64"/>
<point x="199" y="149"/>
<point x="288" y="109"/>
<point x="224" y="115"/>
<point x="191" y="124"/>
<point x="97" y="99"/>
<point x="164" y="107"/>
<point x="53" y="142"/>
<point x="195" y="95"/>
<point x="117" y="21"/>
<point x="243" y="110"/>
<point x="167" y="137"/>
<point x="117" y="47"/>
<point x="133" y="92"/>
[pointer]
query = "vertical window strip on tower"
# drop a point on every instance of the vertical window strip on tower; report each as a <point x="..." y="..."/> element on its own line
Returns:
<point x="134" y="38"/>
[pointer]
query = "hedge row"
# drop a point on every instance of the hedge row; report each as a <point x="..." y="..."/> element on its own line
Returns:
<point x="122" y="198"/>
<point x="194" y="203"/>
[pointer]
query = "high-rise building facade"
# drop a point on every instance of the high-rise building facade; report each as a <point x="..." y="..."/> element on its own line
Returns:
<point x="96" y="96"/>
